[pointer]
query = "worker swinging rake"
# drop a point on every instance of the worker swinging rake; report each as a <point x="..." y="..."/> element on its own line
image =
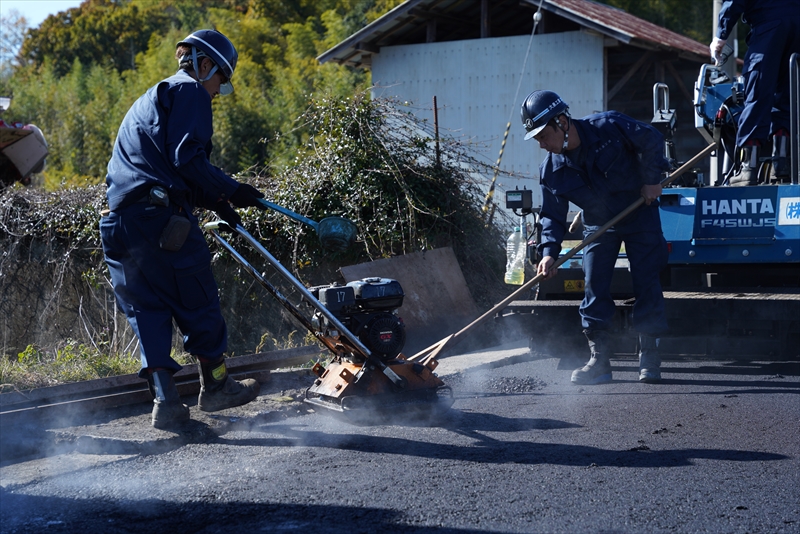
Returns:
<point x="435" y="349"/>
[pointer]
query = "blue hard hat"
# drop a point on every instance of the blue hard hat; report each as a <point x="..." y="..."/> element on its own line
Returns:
<point x="219" y="48"/>
<point x="537" y="110"/>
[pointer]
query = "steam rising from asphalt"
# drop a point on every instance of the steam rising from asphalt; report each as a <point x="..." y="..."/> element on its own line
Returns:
<point x="137" y="478"/>
<point x="565" y="344"/>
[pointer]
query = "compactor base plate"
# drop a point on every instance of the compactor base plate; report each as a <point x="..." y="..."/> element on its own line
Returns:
<point x="365" y="395"/>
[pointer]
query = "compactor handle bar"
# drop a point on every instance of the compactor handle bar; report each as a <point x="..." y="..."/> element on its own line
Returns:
<point x="288" y="212"/>
<point x="316" y="304"/>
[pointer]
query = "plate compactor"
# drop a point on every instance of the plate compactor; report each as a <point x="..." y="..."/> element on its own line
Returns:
<point x="368" y="379"/>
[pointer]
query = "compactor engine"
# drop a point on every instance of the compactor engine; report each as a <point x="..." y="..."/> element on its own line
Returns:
<point x="368" y="308"/>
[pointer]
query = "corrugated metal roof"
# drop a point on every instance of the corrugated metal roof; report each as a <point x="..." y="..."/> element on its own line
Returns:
<point x="460" y="19"/>
<point x="622" y="22"/>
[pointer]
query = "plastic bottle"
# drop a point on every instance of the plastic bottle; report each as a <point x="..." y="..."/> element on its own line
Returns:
<point x="515" y="254"/>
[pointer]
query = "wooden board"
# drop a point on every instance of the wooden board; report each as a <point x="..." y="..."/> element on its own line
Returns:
<point x="437" y="300"/>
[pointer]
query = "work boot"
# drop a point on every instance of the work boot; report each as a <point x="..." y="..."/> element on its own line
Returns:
<point x="219" y="391"/>
<point x="747" y="174"/>
<point x="649" y="359"/>
<point x="598" y="369"/>
<point x="168" y="410"/>
<point x="780" y="160"/>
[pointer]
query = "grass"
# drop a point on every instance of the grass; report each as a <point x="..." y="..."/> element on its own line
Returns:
<point x="73" y="362"/>
<point x="36" y="367"/>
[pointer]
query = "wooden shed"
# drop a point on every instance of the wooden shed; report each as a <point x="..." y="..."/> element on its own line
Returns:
<point x="481" y="58"/>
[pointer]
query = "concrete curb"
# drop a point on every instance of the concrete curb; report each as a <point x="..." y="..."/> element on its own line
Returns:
<point x="507" y="354"/>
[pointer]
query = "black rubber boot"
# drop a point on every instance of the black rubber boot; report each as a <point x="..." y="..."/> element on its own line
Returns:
<point x="219" y="391"/>
<point x="747" y="174"/>
<point x="168" y="410"/>
<point x="598" y="369"/>
<point x="649" y="359"/>
<point x="780" y="159"/>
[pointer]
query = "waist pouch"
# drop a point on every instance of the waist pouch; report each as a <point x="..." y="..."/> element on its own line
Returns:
<point x="175" y="233"/>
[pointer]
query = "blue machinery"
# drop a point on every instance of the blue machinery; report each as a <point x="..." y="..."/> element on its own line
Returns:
<point x="718" y="226"/>
<point x="733" y="226"/>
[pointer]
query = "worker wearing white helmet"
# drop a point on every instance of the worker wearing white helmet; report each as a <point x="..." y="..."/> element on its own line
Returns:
<point x="157" y="255"/>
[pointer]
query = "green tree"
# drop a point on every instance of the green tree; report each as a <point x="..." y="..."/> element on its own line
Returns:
<point x="132" y="43"/>
<point x="103" y="32"/>
<point x="77" y="114"/>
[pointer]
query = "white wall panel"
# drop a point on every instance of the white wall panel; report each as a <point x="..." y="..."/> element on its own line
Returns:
<point x="475" y="82"/>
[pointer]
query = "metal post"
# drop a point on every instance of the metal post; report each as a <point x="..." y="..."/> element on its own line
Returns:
<point x="485" y="20"/>
<point x="436" y="131"/>
<point x="717" y="163"/>
<point x="794" y="116"/>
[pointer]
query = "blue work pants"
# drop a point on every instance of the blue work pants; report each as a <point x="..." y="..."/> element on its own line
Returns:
<point x="154" y="286"/>
<point x="647" y="255"/>
<point x="766" y="78"/>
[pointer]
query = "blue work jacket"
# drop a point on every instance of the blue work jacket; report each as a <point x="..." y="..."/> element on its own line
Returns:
<point x="621" y="155"/>
<point x="754" y="13"/>
<point x="165" y="139"/>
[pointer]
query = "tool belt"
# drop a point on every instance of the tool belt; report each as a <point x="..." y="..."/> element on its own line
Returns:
<point x="177" y="229"/>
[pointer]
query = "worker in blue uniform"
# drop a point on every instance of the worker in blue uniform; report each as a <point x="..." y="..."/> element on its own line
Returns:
<point x="603" y="163"/>
<point x="159" y="261"/>
<point x="774" y="36"/>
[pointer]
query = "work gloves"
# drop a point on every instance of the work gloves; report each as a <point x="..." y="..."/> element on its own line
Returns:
<point x="247" y="196"/>
<point x="720" y="51"/>
<point x="227" y="213"/>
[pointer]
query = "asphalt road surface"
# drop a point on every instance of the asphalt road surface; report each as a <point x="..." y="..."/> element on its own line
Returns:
<point x="714" y="448"/>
